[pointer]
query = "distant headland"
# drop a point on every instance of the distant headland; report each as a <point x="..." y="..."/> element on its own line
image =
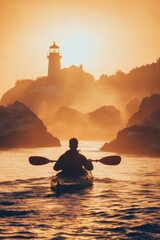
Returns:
<point x="70" y="102"/>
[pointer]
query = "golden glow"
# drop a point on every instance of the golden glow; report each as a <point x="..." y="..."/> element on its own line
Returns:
<point x="102" y="35"/>
<point x="77" y="47"/>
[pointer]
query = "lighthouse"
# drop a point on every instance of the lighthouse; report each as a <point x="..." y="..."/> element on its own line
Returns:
<point x="54" y="64"/>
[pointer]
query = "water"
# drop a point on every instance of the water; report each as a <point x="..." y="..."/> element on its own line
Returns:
<point x="122" y="204"/>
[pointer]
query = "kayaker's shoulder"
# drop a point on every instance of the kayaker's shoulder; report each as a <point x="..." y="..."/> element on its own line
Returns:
<point x="66" y="153"/>
<point x="82" y="156"/>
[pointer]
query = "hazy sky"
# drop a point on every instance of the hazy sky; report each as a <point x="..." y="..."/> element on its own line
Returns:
<point x="103" y="35"/>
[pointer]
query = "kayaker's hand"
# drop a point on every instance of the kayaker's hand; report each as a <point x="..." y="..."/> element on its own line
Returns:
<point x="89" y="165"/>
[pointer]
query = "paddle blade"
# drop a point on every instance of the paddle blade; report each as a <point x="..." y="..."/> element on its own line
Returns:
<point x="111" y="160"/>
<point x="36" y="160"/>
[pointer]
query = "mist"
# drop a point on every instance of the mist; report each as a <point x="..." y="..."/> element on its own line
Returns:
<point x="65" y="101"/>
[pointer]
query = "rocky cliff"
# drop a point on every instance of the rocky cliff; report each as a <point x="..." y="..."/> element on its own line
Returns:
<point x="21" y="128"/>
<point x="136" y="140"/>
<point x="142" y="136"/>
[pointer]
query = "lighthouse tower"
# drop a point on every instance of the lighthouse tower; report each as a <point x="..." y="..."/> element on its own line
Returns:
<point x="54" y="65"/>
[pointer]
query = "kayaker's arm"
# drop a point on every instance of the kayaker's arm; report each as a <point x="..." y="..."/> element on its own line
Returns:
<point x="58" y="165"/>
<point x="87" y="164"/>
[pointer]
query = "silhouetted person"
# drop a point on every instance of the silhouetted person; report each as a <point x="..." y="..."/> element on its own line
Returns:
<point x="72" y="162"/>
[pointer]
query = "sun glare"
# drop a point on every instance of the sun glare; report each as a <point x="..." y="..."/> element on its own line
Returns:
<point x="76" y="49"/>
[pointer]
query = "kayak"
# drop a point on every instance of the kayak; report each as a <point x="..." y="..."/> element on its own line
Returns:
<point x="64" y="183"/>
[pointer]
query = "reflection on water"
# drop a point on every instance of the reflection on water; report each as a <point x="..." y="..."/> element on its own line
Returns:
<point x="122" y="204"/>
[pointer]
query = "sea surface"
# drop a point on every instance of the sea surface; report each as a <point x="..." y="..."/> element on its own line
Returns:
<point x="122" y="204"/>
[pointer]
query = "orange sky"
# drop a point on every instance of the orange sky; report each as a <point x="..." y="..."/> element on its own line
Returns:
<point x="103" y="35"/>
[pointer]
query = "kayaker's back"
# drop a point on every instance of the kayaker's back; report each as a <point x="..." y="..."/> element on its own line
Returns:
<point x="73" y="163"/>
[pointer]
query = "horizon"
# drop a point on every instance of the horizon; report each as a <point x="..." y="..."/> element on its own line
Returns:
<point x="110" y="36"/>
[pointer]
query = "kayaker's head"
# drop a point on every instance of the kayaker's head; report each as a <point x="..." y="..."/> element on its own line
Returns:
<point x="73" y="143"/>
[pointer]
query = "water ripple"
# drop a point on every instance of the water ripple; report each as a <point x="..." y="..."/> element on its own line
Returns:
<point x="151" y="228"/>
<point x="14" y="213"/>
<point x="122" y="204"/>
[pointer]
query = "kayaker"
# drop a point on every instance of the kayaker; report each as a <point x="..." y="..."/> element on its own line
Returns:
<point x="72" y="162"/>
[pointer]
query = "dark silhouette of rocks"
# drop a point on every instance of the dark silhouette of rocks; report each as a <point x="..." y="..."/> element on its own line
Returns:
<point x="142" y="136"/>
<point x="136" y="140"/>
<point x="20" y="128"/>
<point x="153" y="119"/>
<point x="147" y="107"/>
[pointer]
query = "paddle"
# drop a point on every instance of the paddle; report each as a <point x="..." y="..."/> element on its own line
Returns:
<point x="109" y="160"/>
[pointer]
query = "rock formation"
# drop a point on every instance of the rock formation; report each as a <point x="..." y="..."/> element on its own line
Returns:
<point x="136" y="140"/>
<point x="105" y="122"/>
<point x="21" y="128"/>
<point x="67" y="122"/>
<point x="142" y="136"/>
<point x="147" y="107"/>
<point x="132" y="107"/>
